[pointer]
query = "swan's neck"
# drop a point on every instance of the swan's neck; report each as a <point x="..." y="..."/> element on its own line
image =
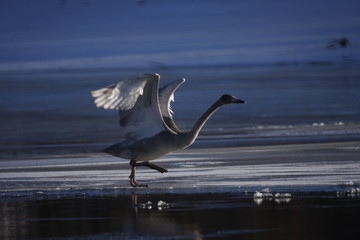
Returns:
<point x="193" y="134"/>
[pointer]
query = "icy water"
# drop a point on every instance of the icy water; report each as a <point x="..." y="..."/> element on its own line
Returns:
<point x="232" y="215"/>
<point x="283" y="166"/>
<point x="55" y="107"/>
<point x="286" y="165"/>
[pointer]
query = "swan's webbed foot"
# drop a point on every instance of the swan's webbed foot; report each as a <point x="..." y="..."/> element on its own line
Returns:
<point x="134" y="183"/>
<point x="135" y="164"/>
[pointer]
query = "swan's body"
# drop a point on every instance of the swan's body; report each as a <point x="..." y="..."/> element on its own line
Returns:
<point x="145" y="115"/>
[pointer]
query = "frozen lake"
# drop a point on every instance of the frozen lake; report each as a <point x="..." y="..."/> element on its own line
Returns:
<point x="295" y="167"/>
<point x="283" y="166"/>
<point x="292" y="151"/>
<point x="208" y="193"/>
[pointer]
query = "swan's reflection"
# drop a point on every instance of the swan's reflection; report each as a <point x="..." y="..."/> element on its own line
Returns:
<point x="193" y="216"/>
<point x="159" y="205"/>
<point x="152" y="218"/>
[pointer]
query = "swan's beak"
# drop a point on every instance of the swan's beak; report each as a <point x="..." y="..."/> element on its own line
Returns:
<point x="239" y="101"/>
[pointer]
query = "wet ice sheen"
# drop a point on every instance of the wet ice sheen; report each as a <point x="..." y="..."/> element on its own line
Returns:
<point x="288" y="166"/>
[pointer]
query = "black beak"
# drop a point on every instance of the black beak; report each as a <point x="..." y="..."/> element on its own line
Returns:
<point x="239" y="101"/>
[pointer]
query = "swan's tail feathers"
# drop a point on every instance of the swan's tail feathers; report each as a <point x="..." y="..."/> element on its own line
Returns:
<point x="119" y="150"/>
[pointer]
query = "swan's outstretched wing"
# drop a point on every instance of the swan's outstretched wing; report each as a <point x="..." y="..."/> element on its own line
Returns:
<point x="166" y="95"/>
<point x="122" y="95"/>
<point x="136" y="99"/>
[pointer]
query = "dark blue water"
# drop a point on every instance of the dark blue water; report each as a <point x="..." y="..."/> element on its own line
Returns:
<point x="173" y="216"/>
<point x="298" y="133"/>
<point x="273" y="55"/>
<point x="40" y="108"/>
<point x="91" y="34"/>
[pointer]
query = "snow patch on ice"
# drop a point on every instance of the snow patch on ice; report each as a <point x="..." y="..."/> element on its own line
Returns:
<point x="160" y="205"/>
<point x="320" y="124"/>
<point x="193" y="164"/>
<point x="267" y="195"/>
<point x="353" y="193"/>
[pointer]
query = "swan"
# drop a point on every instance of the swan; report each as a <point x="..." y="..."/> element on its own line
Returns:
<point x="146" y="118"/>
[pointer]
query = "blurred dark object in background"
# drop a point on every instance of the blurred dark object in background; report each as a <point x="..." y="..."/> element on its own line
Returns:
<point x="338" y="43"/>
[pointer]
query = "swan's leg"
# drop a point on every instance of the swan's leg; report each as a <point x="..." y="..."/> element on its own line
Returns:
<point x="134" y="164"/>
<point x="153" y="166"/>
<point x="149" y="165"/>
<point x="133" y="181"/>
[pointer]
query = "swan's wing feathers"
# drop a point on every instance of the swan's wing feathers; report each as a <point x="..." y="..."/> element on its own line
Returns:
<point x="140" y="124"/>
<point x="166" y="96"/>
<point x="122" y="95"/>
<point x="144" y="119"/>
<point x="137" y="100"/>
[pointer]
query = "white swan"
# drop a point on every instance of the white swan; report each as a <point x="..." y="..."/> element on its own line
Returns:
<point x="146" y="117"/>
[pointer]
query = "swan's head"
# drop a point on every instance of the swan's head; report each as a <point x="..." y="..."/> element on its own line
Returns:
<point x="228" y="99"/>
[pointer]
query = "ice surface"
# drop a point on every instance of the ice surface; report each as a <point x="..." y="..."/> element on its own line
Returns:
<point x="284" y="167"/>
